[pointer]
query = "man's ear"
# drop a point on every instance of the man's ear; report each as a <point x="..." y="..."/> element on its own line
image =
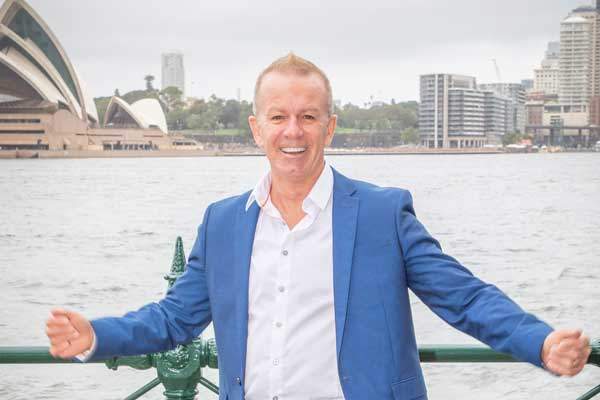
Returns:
<point x="253" y="122"/>
<point x="331" y="129"/>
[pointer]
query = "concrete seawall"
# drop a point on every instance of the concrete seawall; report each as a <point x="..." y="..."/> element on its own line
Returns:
<point x="251" y="151"/>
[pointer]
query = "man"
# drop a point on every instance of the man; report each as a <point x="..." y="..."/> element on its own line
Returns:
<point x="306" y="277"/>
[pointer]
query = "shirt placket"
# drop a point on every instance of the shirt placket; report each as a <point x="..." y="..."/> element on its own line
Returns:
<point x="280" y="312"/>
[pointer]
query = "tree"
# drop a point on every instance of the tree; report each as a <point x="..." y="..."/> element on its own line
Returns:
<point x="177" y="119"/>
<point x="511" y="138"/>
<point x="230" y="114"/>
<point x="172" y="98"/>
<point x="117" y="94"/>
<point x="410" y="135"/>
<point x="149" y="79"/>
<point x="135" y="95"/>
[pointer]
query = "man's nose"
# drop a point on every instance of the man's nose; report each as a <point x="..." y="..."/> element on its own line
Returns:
<point x="293" y="129"/>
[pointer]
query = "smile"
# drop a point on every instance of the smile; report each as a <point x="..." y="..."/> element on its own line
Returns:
<point x="293" y="150"/>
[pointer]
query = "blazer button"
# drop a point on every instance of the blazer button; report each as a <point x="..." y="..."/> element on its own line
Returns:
<point x="238" y="380"/>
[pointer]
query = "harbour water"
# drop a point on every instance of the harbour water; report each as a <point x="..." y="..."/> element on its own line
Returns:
<point x="97" y="235"/>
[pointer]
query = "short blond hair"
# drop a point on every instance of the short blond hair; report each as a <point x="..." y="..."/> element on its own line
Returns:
<point x="297" y="65"/>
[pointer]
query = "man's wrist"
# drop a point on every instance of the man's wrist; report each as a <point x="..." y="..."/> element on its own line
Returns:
<point x="87" y="354"/>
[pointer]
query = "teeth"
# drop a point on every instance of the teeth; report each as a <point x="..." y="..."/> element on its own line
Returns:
<point x="293" y="149"/>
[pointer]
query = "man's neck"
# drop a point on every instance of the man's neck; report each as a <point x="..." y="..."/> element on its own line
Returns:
<point x="287" y="196"/>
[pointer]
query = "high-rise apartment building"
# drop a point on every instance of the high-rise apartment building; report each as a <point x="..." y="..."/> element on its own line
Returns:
<point x="454" y="113"/>
<point x="515" y="93"/>
<point x="594" y="108"/>
<point x="497" y="116"/>
<point x="576" y="58"/>
<point x="173" y="73"/>
<point x="546" y="78"/>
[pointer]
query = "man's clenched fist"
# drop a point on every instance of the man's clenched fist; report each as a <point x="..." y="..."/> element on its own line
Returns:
<point x="565" y="352"/>
<point x="69" y="332"/>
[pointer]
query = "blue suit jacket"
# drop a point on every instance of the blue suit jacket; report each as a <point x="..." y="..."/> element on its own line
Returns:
<point x="380" y="250"/>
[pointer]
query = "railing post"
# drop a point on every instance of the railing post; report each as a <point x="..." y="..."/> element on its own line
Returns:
<point x="594" y="357"/>
<point x="179" y="370"/>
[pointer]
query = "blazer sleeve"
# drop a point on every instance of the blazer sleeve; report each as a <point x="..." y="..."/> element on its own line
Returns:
<point x="176" y="319"/>
<point x="464" y="301"/>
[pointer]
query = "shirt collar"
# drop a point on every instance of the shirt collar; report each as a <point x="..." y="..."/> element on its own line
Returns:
<point x="319" y="194"/>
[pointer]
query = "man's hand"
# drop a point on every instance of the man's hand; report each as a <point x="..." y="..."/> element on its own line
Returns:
<point x="565" y="352"/>
<point x="69" y="332"/>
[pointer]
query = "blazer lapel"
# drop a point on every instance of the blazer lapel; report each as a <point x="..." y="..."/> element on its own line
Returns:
<point x="244" y="240"/>
<point x="345" y="214"/>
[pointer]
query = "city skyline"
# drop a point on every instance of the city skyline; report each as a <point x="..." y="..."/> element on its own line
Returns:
<point x="226" y="45"/>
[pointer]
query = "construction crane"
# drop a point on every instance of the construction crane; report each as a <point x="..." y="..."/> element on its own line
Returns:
<point x="498" y="76"/>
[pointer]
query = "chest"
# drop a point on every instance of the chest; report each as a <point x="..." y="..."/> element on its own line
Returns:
<point x="293" y="264"/>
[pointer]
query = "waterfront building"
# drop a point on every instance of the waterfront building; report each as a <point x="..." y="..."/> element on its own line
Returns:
<point x="594" y="106"/>
<point x="535" y="113"/>
<point x="44" y="104"/>
<point x="575" y="61"/>
<point x="145" y="115"/>
<point x="435" y="123"/>
<point x="498" y="116"/>
<point x="572" y="121"/>
<point x="515" y="93"/>
<point x="173" y="73"/>
<point x="564" y="115"/>
<point x="528" y="84"/>
<point x="455" y="113"/>
<point x="546" y="78"/>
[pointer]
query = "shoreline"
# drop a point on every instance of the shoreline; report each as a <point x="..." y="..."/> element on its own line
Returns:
<point x="249" y="152"/>
<point x="246" y="152"/>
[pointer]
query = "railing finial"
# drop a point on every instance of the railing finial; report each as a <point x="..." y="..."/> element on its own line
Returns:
<point x="178" y="265"/>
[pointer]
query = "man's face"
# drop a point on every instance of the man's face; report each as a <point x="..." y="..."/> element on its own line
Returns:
<point x="292" y="125"/>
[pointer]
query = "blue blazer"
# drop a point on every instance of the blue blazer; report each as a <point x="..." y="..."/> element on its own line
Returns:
<point x="380" y="250"/>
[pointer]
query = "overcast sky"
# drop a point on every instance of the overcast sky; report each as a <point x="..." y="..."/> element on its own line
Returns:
<point x="370" y="48"/>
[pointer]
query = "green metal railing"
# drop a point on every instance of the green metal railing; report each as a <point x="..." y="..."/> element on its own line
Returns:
<point x="180" y="370"/>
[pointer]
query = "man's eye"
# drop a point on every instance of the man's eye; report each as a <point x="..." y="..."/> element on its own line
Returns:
<point x="277" y="117"/>
<point x="309" y="117"/>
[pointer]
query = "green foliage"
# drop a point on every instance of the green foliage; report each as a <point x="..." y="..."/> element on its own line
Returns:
<point x="511" y="138"/>
<point x="380" y="118"/>
<point x="135" y="95"/>
<point x="172" y="98"/>
<point x="410" y="135"/>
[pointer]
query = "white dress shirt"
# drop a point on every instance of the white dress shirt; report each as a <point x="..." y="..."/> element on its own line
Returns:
<point x="291" y="349"/>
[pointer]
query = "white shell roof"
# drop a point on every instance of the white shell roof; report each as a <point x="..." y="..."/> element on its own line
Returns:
<point x="119" y="102"/>
<point x="34" y="52"/>
<point x="14" y="60"/>
<point x="68" y="97"/>
<point x="145" y="112"/>
<point x="151" y="112"/>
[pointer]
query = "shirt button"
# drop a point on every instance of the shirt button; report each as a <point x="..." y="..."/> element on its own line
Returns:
<point x="275" y="362"/>
<point x="275" y="398"/>
<point x="238" y="380"/>
<point x="285" y="252"/>
<point x="281" y="289"/>
<point x="279" y="324"/>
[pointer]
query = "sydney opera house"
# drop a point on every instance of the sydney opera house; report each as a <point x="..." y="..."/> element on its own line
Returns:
<point x="44" y="104"/>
